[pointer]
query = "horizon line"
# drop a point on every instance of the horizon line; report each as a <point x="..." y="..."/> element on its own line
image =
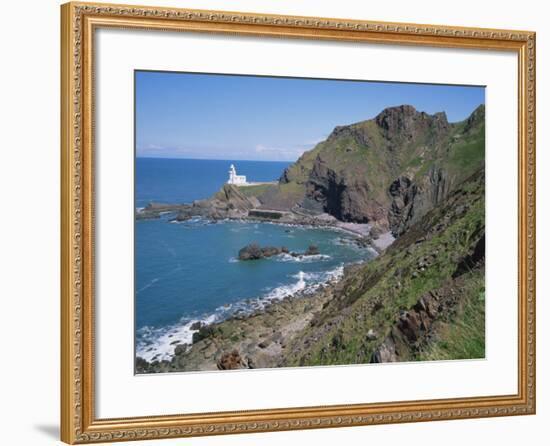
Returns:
<point x="214" y="159"/>
<point x="307" y="150"/>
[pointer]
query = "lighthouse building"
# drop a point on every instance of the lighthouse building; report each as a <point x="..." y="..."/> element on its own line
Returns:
<point x="234" y="178"/>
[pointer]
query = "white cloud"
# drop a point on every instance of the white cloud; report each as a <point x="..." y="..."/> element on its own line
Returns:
<point x="154" y="147"/>
<point x="287" y="153"/>
<point x="280" y="153"/>
<point x="261" y="152"/>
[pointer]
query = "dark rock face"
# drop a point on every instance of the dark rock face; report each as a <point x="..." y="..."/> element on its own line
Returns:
<point x="438" y="262"/>
<point x="350" y="193"/>
<point x="474" y="259"/>
<point x="231" y="361"/>
<point x="405" y="122"/>
<point x="204" y="332"/>
<point x="196" y="325"/>
<point x="412" y="327"/>
<point x="354" y="133"/>
<point x="411" y="200"/>
<point x="403" y="191"/>
<point x="476" y="118"/>
<point x="395" y="120"/>
<point x="390" y="170"/>
<point x="180" y="349"/>
<point x="142" y="366"/>
<point x="367" y="318"/>
<point x="342" y="194"/>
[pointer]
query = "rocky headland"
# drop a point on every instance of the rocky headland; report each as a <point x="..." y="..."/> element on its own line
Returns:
<point x="381" y="175"/>
<point x="406" y="182"/>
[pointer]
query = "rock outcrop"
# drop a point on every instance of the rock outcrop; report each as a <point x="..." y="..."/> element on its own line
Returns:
<point x="422" y="298"/>
<point x="231" y="361"/>
<point x="400" y="306"/>
<point x="155" y="210"/>
<point x="412" y="199"/>
<point x="413" y="327"/>
<point x="256" y="252"/>
<point x="229" y="202"/>
<point x="388" y="171"/>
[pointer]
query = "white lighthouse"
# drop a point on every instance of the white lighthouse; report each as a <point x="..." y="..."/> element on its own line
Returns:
<point x="234" y="178"/>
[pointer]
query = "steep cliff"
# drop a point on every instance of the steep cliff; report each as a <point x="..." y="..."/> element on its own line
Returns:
<point x="422" y="299"/>
<point x="388" y="171"/>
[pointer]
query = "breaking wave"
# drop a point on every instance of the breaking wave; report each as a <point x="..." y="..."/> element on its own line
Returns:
<point x="156" y="344"/>
<point x="302" y="258"/>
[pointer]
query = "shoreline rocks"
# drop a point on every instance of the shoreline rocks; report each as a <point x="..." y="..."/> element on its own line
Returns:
<point x="255" y="340"/>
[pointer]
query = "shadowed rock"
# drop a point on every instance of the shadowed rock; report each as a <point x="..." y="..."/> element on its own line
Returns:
<point x="231" y="361"/>
<point x="255" y="252"/>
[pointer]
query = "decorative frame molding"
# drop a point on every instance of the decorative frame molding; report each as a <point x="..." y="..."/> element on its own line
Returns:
<point x="78" y="423"/>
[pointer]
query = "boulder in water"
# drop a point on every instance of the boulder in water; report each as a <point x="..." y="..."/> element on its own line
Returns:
<point x="251" y="252"/>
<point x="255" y="252"/>
<point x="312" y="250"/>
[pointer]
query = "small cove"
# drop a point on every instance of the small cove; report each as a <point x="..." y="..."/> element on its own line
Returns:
<point x="188" y="272"/>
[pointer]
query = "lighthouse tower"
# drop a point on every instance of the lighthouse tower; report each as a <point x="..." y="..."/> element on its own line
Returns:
<point x="234" y="178"/>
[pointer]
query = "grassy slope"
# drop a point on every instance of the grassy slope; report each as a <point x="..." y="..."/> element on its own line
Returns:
<point x="373" y="297"/>
<point x="462" y="337"/>
<point x="255" y="190"/>
<point x="460" y="152"/>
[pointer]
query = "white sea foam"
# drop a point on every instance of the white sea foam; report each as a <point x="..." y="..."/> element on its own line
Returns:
<point x="191" y="221"/>
<point x="301" y="258"/>
<point x="150" y="284"/>
<point x="159" y="344"/>
<point x="286" y="290"/>
<point x="162" y="277"/>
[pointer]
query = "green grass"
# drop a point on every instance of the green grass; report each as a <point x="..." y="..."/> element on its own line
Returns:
<point x="345" y="342"/>
<point x="469" y="152"/>
<point x="282" y="196"/>
<point x="255" y="190"/>
<point x="464" y="336"/>
<point x="300" y="170"/>
<point x="416" y="162"/>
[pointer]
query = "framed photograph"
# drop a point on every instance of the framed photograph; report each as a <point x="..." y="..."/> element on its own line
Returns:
<point x="275" y="223"/>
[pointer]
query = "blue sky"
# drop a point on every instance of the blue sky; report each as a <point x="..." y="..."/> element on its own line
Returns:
<point x="184" y="115"/>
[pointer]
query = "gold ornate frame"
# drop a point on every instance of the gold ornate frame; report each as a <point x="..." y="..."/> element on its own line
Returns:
<point x="78" y="423"/>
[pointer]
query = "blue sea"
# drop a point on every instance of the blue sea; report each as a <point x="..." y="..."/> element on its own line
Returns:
<point x="188" y="272"/>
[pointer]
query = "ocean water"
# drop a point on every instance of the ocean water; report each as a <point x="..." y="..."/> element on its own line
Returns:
<point x="187" y="272"/>
<point x="182" y="181"/>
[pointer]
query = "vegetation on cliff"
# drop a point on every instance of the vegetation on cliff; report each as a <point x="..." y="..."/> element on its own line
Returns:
<point x="421" y="299"/>
<point x="388" y="171"/>
<point x="406" y="172"/>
